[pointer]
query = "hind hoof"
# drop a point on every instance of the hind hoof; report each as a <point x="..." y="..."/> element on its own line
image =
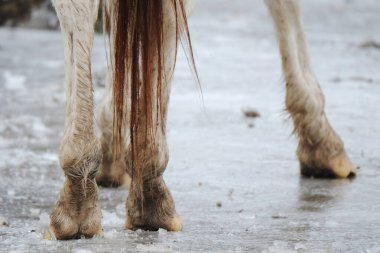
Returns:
<point x="173" y="224"/>
<point x="334" y="167"/>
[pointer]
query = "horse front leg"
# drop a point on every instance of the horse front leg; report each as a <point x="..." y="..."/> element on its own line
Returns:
<point x="77" y="212"/>
<point x="320" y="150"/>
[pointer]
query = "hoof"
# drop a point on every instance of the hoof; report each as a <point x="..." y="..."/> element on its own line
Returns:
<point x="51" y="235"/>
<point x="76" y="214"/>
<point x="337" y="167"/>
<point x="154" y="211"/>
<point x="171" y="224"/>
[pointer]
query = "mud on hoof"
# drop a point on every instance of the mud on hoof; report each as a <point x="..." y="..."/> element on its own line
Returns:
<point x="157" y="210"/>
<point x="325" y="161"/>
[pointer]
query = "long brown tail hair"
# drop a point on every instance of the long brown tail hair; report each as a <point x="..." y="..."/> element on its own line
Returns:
<point x="137" y="34"/>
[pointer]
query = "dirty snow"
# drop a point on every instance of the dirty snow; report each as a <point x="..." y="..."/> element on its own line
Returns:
<point x="217" y="155"/>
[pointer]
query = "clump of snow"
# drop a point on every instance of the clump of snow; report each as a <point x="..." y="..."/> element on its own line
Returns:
<point x="331" y="224"/>
<point x="111" y="219"/>
<point x="11" y="192"/>
<point x="110" y="234"/>
<point x="39" y="128"/>
<point x="82" y="251"/>
<point x="300" y="246"/>
<point x="154" y="248"/>
<point x="120" y="210"/>
<point x="44" y="221"/>
<point x="375" y="249"/>
<point x="53" y="157"/>
<point x="162" y="231"/>
<point x="35" y="211"/>
<point x="14" y="82"/>
<point x="279" y="247"/>
<point x="51" y="64"/>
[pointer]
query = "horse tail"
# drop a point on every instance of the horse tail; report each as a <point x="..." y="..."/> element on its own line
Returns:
<point x="137" y="38"/>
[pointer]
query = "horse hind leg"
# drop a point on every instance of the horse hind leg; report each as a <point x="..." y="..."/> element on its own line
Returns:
<point x="77" y="212"/>
<point x="150" y="205"/>
<point x="149" y="67"/>
<point x="320" y="150"/>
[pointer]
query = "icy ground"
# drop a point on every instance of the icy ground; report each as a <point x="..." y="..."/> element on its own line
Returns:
<point x="235" y="180"/>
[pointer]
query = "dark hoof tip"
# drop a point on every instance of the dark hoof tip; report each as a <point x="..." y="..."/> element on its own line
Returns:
<point x="144" y="228"/>
<point x="311" y="172"/>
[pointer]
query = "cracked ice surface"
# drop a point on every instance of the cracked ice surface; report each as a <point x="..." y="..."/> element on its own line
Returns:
<point x="235" y="180"/>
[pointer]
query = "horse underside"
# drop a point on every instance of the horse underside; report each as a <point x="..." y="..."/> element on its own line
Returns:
<point x="132" y="149"/>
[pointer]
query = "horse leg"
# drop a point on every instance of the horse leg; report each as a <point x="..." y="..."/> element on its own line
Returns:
<point x="77" y="212"/>
<point x="320" y="150"/>
<point x="149" y="203"/>
<point x="112" y="172"/>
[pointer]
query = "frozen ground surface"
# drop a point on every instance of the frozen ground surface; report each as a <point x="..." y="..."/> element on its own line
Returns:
<point x="236" y="182"/>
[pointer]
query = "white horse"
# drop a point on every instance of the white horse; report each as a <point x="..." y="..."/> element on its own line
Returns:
<point x="144" y="35"/>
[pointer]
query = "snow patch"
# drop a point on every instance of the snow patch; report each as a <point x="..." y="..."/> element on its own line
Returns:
<point x="154" y="248"/>
<point x="162" y="231"/>
<point x="111" y="219"/>
<point x="53" y="157"/>
<point x="14" y="82"/>
<point x="51" y="64"/>
<point x="44" y="222"/>
<point x="82" y="251"/>
<point x="11" y="193"/>
<point x="35" y="211"/>
<point x="120" y="210"/>
<point x="39" y="127"/>
<point x="300" y="246"/>
<point x="112" y="234"/>
<point x="279" y="247"/>
<point x="375" y="249"/>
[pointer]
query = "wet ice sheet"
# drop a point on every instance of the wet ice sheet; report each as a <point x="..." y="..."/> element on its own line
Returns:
<point x="235" y="180"/>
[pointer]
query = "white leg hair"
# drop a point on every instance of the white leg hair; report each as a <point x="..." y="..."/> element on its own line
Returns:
<point x="320" y="150"/>
<point x="77" y="211"/>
